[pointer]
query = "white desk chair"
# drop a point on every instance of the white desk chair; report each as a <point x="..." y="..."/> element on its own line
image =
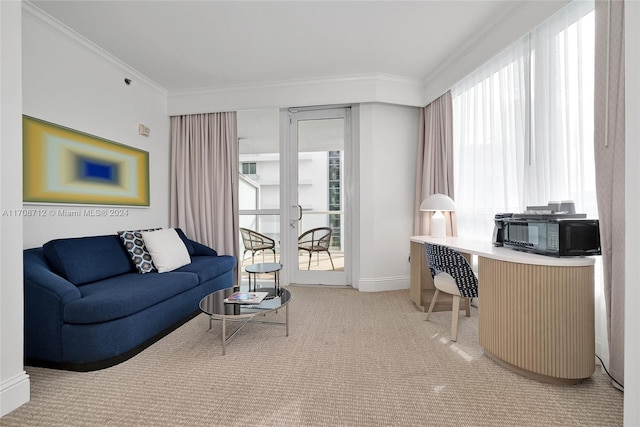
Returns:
<point x="453" y="275"/>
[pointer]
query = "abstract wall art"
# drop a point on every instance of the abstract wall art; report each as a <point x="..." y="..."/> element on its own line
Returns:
<point x="62" y="165"/>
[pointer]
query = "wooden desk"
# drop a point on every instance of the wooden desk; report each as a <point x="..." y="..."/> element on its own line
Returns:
<point x="535" y="314"/>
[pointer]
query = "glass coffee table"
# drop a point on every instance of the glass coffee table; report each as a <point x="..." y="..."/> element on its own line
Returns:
<point x="214" y="306"/>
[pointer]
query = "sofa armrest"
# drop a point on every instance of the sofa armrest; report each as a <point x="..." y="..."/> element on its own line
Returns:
<point x="45" y="295"/>
<point x="195" y="248"/>
<point x="202" y="250"/>
<point x="38" y="274"/>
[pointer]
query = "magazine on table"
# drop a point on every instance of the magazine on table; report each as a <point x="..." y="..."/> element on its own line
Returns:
<point x="246" y="297"/>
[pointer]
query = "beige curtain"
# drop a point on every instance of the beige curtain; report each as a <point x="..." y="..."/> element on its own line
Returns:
<point x="434" y="172"/>
<point x="609" y="156"/>
<point x="204" y="179"/>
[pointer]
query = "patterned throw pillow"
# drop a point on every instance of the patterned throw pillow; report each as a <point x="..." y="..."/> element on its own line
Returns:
<point x="134" y="244"/>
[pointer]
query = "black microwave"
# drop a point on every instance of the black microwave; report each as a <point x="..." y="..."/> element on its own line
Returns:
<point x="554" y="237"/>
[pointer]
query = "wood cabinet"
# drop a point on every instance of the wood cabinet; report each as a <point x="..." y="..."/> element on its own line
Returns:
<point x="538" y="320"/>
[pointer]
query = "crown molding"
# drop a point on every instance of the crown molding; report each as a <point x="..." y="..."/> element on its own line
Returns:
<point x="318" y="81"/>
<point x="345" y="89"/>
<point x="40" y="17"/>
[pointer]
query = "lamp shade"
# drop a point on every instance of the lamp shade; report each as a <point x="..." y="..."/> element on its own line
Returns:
<point x="438" y="202"/>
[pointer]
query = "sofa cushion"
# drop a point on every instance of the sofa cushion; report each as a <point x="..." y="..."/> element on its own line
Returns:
<point x="167" y="249"/>
<point x="134" y="244"/>
<point x="208" y="267"/>
<point x="124" y="295"/>
<point x="83" y="260"/>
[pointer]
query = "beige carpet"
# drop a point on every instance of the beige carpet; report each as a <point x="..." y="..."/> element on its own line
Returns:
<point x="351" y="359"/>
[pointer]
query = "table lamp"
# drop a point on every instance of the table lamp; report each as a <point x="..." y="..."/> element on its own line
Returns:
<point x="438" y="203"/>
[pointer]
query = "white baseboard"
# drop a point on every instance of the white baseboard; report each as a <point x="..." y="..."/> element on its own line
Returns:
<point x="384" y="284"/>
<point x="14" y="393"/>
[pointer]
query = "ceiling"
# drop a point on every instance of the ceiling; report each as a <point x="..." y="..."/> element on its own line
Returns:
<point x="191" y="45"/>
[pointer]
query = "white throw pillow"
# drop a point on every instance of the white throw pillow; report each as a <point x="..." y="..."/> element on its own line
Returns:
<point x="167" y="249"/>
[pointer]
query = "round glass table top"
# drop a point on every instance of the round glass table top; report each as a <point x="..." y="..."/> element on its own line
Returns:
<point x="267" y="267"/>
<point x="214" y="305"/>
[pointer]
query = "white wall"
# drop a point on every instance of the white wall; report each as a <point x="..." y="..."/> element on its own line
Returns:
<point x="14" y="382"/>
<point x="388" y="149"/>
<point x="48" y="73"/>
<point x="632" y="201"/>
<point x="69" y="82"/>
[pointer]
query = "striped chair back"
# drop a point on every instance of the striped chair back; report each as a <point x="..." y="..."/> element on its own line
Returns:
<point x="443" y="259"/>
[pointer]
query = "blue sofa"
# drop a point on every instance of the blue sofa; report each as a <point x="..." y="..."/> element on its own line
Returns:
<point x="87" y="307"/>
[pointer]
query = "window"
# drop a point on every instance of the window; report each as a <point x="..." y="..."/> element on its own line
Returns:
<point x="248" y="168"/>
<point x="335" y="199"/>
<point x="523" y="125"/>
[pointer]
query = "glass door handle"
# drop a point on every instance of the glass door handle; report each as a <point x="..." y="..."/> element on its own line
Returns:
<point x="292" y="223"/>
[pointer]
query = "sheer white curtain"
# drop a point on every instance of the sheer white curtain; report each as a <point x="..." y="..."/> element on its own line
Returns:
<point x="523" y="130"/>
<point x="489" y="141"/>
<point x="562" y="162"/>
<point x="523" y="125"/>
